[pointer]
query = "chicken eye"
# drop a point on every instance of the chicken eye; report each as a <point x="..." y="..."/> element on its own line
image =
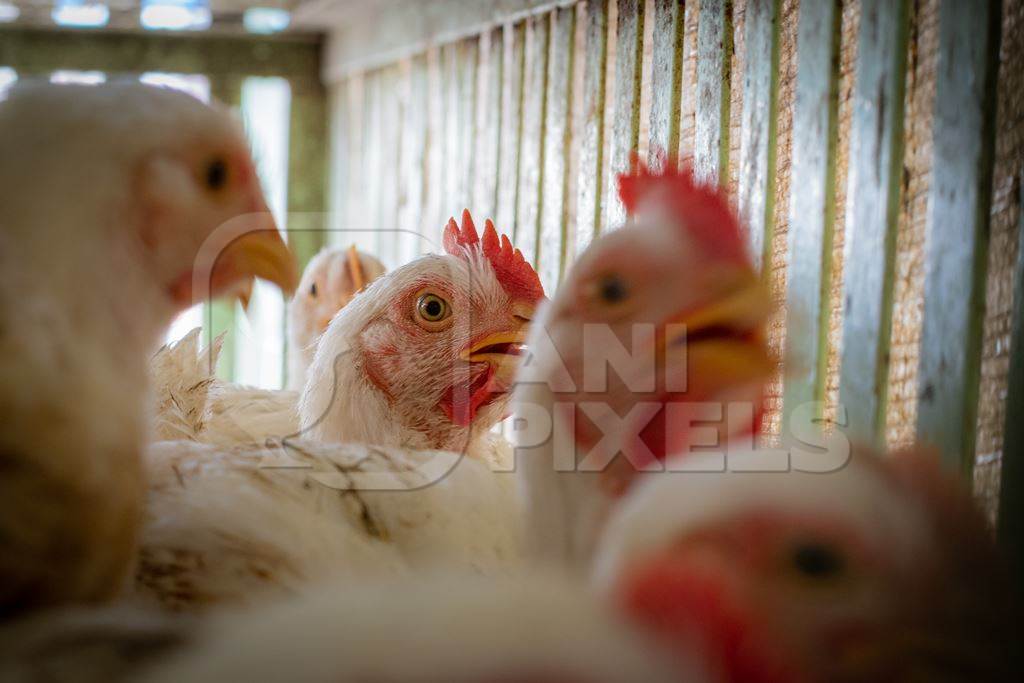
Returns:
<point x="432" y="308"/>
<point x="216" y="174"/>
<point x="612" y="289"/>
<point x="817" y="561"/>
<point x="312" y="290"/>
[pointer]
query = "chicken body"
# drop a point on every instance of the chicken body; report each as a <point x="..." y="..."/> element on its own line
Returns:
<point x="108" y="196"/>
<point x="331" y="279"/>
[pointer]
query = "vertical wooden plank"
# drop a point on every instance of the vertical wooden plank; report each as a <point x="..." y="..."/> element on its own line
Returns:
<point x="875" y="158"/>
<point x="626" y="117"/>
<point x="956" y="244"/>
<point x="414" y="159"/>
<point x="220" y="317"/>
<point x="368" y="229"/>
<point x="340" y="152"/>
<point x="489" y="106"/>
<point x="355" y="205"/>
<point x="531" y="151"/>
<point x="1011" y="486"/>
<point x="590" y="187"/>
<point x="307" y="170"/>
<point x="453" y="175"/>
<point x="557" y="139"/>
<point x="390" y="141"/>
<point x="434" y="189"/>
<point x="514" y="56"/>
<point x="711" y="125"/>
<point x="467" y="55"/>
<point x="811" y="203"/>
<point x="666" y="81"/>
<point x="757" y="133"/>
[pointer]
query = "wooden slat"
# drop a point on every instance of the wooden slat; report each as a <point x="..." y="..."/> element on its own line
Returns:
<point x="453" y="175"/>
<point x="488" y="124"/>
<point x="341" y="149"/>
<point x="626" y="116"/>
<point x="757" y="131"/>
<point x="557" y="139"/>
<point x="467" y="54"/>
<point x="591" y="142"/>
<point x="414" y="161"/>
<point x="433" y="180"/>
<point x="811" y="203"/>
<point x="711" y="125"/>
<point x="1011" y="487"/>
<point x="875" y="159"/>
<point x="666" y="81"/>
<point x="957" y="238"/>
<point x="531" y="151"/>
<point x="514" y="48"/>
<point x="368" y="230"/>
<point x="390" y="141"/>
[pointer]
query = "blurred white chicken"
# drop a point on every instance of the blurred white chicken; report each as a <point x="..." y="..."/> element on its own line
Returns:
<point x="330" y="281"/>
<point x="114" y="201"/>
<point x="436" y="343"/>
<point x="879" y="570"/>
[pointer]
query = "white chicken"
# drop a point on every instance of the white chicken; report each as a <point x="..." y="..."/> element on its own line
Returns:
<point x="330" y="281"/>
<point x="110" y="200"/>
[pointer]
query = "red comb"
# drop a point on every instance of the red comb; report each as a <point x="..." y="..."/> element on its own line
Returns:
<point x="703" y="212"/>
<point x="514" y="272"/>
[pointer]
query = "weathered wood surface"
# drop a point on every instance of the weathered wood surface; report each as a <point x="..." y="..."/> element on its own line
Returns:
<point x="557" y="141"/>
<point x="875" y="159"/>
<point x="413" y="149"/>
<point x="590" y="195"/>
<point x="711" y="127"/>
<point x="757" y="133"/>
<point x="626" y="116"/>
<point x="514" y="55"/>
<point x="531" y="150"/>
<point x="811" y="204"/>
<point x="666" y="81"/>
<point x="488" y="125"/>
<point x="957" y="229"/>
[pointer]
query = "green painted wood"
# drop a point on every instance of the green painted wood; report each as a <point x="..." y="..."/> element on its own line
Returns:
<point x="340" y="141"/>
<point x="307" y="170"/>
<point x="1011" y="488"/>
<point x="35" y="51"/>
<point x="956" y="247"/>
<point x="531" y="151"/>
<point x="629" y="52"/>
<point x="711" y="125"/>
<point x="514" y="59"/>
<point x="811" y="204"/>
<point x="414" y="160"/>
<point x="590" y="189"/>
<point x="557" y="142"/>
<point x="488" y="125"/>
<point x="872" y="201"/>
<point x="666" y="81"/>
<point x="757" y="128"/>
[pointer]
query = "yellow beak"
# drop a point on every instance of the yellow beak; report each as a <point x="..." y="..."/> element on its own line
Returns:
<point x="500" y="350"/>
<point x="260" y="253"/>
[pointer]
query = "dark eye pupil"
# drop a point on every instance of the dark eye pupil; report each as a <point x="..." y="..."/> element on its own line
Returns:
<point x="613" y="290"/>
<point x="216" y="174"/>
<point x="312" y="289"/>
<point x="817" y="561"/>
<point x="433" y="307"/>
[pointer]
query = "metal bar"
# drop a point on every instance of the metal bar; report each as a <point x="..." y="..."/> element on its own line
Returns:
<point x="1011" y="486"/>
<point x="626" y="117"/>
<point x="757" y="130"/>
<point x="514" y="47"/>
<point x="956" y="247"/>
<point x="711" y="126"/>
<point x="666" y="81"/>
<point x="811" y="204"/>
<point x="557" y="139"/>
<point x="589" y="186"/>
<point x="531" y="154"/>
<point x="872" y="201"/>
